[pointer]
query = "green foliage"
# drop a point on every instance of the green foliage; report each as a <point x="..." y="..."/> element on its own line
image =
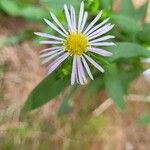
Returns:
<point x="141" y="12"/>
<point x="33" y="13"/>
<point x="130" y="73"/>
<point x="65" y="107"/>
<point x="10" y="7"/>
<point x="13" y="8"/>
<point x="45" y="91"/>
<point x="58" y="4"/>
<point x="114" y="86"/>
<point x="126" y="23"/>
<point x="92" y="6"/>
<point x="145" y="119"/>
<point x="126" y="50"/>
<point x="127" y="8"/>
<point x="66" y="104"/>
<point x="93" y="87"/>
<point x="107" y="4"/>
<point x="144" y="34"/>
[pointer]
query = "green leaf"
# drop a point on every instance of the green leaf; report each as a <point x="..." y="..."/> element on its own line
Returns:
<point x="145" y="119"/>
<point x="10" y="7"/>
<point x="28" y="11"/>
<point x="114" y="86"/>
<point x="127" y="8"/>
<point x="128" y="50"/>
<point x="93" y="87"/>
<point x="142" y="11"/>
<point x="59" y="4"/>
<point x="66" y="104"/>
<point x="45" y="91"/>
<point x="65" y="107"/>
<point x="126" y="23"/>
<point x="92" y="6"/>
<point x="144" y="35"/>
<point x="107" y="4"/>
<point x="129" y="70"/>
<point x="33" y="13"/>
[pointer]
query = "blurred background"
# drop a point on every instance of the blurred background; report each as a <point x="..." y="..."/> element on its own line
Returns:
<point x="51" y="127"/>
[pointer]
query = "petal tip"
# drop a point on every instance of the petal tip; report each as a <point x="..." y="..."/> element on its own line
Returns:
<point x="36" y="33"/>
<point x="92" y="78"/>
<point x="82" y="3"/>
<point x="103" y="71"/>
<point x="147" y="74"/>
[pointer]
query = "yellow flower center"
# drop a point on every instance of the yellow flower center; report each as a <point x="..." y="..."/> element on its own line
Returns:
<point x="76" y="44"/>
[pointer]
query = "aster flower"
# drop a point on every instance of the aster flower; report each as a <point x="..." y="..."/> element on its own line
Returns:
<point x="76" y="42"/>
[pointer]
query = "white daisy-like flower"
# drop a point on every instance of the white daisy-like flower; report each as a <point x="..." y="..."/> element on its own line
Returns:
<point x="76" y="42"/>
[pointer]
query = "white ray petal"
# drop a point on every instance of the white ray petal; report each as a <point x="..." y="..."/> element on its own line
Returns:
<point x="74" y="71"/>
<point x="77" y="80"/>
<point x="87" y="68"/>
<point x="51" y="42"/>
<point x="73" y="17"/>
<point x="76" y="75"/>
<point x="100" y="29"/>
<point x="84" y="21"/>
<point x="70" y="27"/>
<point x="81" y="69"/>
<point x="58" y="22"/>
<point x="97" y="27"/>
<point x="101" y="32"/>
<point x="46" y="60"/>
<point x="99" y="51"/>
<point x="79" y="74"/>
<point x="93" y="22"/>
<point x="57" y="62"/>
<point x="80" y="16"/>
<point x="54" y="27"/>
<point x="102" y="38"/>
<point x="48" y="36"/>
<point x="147" y="74"/>
<point x="96" y="65"/>
<point x="50" y="53"/>
<point x="102" y="44"/>
<point x="50" y="49"/>
<point x="147" y="60"/>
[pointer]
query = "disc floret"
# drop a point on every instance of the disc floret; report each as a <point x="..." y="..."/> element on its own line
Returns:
<point x="76" y="44"/>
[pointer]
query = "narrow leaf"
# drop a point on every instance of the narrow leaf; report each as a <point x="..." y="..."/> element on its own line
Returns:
<point x="66" y="104"/>
<point x="127" y="8"/>
<point x="128" y="50"/>
<point x="33" y="13"/>
<point x="107" y="4"/>
<point x="114" y="86"/>
<point x="144" y="35"/>
<point x="10" y="7"/>
<point x="45" y="91"/>
<point x="142" y="11"/>
<point x="126" y="24"/>
<point x="58" y="4"/>
<point x="64" y="107"/>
